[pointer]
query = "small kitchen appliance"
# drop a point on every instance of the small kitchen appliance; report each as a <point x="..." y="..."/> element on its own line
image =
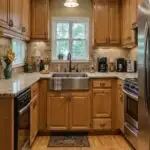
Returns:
<point x="121" y="65"/>
<point x="102" y="64"/>
<point x="131" y="66"/>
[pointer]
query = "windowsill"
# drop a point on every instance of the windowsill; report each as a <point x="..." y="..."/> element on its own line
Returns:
<point x="73" y="61"/>
<point x="18" y="65"/>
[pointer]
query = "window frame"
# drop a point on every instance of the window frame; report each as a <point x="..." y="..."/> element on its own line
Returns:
<point x="21" y="44"/>
<point x="69" y="20"/>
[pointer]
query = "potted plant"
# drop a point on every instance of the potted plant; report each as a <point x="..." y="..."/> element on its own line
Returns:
<point x="8" y="59"/>
<point x="60" y="56"/>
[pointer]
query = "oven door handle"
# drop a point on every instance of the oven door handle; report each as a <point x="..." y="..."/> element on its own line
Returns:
<point x="131" y="95"/>
<point x="24" y="109"/>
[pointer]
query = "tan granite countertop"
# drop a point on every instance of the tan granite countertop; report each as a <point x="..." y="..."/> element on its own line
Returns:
<point x="22" y="81"/>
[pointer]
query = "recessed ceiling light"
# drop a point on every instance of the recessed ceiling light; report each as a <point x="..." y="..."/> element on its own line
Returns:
<point x="71" y="3"/>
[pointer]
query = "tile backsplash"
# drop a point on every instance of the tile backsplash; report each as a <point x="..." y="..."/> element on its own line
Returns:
<point x="111" y="53"/>
<point x="45" y="51"/>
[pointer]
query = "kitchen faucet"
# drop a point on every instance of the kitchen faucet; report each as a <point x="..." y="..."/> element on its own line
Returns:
<point x="70" y="62"/>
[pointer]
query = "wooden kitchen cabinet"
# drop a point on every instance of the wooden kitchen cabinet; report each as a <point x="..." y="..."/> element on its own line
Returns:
<point x="100" y="22"/>
<point x="101" y="103"/>
<point x="15" y="21"/>
<point x="57" y="113"/>
<point x="4" y="13"/>
<point x="15" y="18"/>
<point x="33" y="119"/>
<point x="114" y="22"/>
<point x="26" y="17"/>
<point x="106" y="22"/>
<point x="80" y="113"/>
<point x="34" y="107"/>
<point x="120" y="112"/>
<point x="39" y="21"/>
<point x="129" y="15"/>
<point x="68" y="111"/>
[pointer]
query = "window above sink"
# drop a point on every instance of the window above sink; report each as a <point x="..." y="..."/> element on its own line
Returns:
<point x="70" y="35"/>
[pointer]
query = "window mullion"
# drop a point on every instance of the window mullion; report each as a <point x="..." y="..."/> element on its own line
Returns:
<point x="70" y="37"/>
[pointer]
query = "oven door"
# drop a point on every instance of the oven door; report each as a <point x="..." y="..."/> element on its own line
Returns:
<point x="24" y="128"/>
<point x="131" y="109"/>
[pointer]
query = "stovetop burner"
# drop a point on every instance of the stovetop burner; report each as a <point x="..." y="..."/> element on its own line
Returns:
<point x="131" y="85"/>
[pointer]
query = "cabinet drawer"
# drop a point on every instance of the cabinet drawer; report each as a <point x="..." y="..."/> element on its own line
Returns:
<point x="34" y="90"/>
<point x="101" y="83"/>
<point x="102" y="124"/>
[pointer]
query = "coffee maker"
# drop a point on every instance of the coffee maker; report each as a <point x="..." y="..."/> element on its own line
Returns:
<point x="121" y="65"/>
<point x="102" y="64"/>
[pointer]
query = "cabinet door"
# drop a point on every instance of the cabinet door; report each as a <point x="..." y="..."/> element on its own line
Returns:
<point x="101" y="103"/>
<point x="120" y="111"/>
<point x="80" y="113"/>
<point x="39" y="22"/>
<point x="26" y="17"/>
<point x="57" y="113"/>
<point x="125" y="21"/>
<point x="100" y="22"/>
<point x="4" y="13"/>
<point x="114" y="22"/>
<point x="15" y="15"/>
<point x="33" y="119"/>
<point x="133" y="19"/>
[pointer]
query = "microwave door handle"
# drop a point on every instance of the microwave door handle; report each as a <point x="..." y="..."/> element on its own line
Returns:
<point x="24" y="109"/>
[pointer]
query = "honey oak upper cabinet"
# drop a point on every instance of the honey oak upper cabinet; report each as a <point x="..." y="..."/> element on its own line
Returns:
<point x="57" y="113"/>
<point x="80" y="113"/>
<point x="101" y="103"/>
<point x="114" y="22"/>
<point x="26" y="17"/>
<point x="129" y="15"/>
<point x="100" y="22"/>
<point x="39" y="19"/>
<point x="4" y="13"/>
<point x="106" y="22"/>
<point x="16" y="15"/>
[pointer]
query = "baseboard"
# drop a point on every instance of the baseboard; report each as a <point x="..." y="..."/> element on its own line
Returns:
<point x="93" y="132"/>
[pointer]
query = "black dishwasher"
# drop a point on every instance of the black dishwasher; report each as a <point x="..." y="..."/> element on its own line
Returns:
<point x="22" y="120"/>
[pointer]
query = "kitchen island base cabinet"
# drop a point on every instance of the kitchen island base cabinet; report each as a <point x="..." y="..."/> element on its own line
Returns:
<point x="80" y="113"/>
<point x="57" y="113"/>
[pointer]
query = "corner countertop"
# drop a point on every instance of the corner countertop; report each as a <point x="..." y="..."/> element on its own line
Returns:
<point x="22" y="81"/>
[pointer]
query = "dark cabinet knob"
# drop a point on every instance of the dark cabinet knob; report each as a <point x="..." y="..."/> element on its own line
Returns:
<point x="11" y="24"/>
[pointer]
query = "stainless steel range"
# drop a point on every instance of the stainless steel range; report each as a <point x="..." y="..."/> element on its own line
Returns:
<point x="131" y="110"/>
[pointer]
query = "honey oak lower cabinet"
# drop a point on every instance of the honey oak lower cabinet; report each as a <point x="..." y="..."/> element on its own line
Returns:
<point x="101" y="103"/>
<point x="34" y="112"/>
<point x="33" y="119"/>
<point x="80" y="113"/>
<point x="120" y="112"/>
<point x="68" y="112"/>
<point x="57" y="113"/>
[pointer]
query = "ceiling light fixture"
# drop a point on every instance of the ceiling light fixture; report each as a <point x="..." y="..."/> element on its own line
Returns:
<point x="71" y="3"/>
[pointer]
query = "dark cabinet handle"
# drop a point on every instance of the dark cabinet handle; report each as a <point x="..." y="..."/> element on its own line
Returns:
<point x="23" y="29"/>
<point x="11" y="24"/>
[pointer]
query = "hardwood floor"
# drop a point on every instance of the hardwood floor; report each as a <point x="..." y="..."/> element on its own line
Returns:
<point x="114" y="142"/>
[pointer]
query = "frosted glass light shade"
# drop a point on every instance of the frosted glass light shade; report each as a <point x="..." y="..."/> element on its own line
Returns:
<point x="71" y="3"/>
